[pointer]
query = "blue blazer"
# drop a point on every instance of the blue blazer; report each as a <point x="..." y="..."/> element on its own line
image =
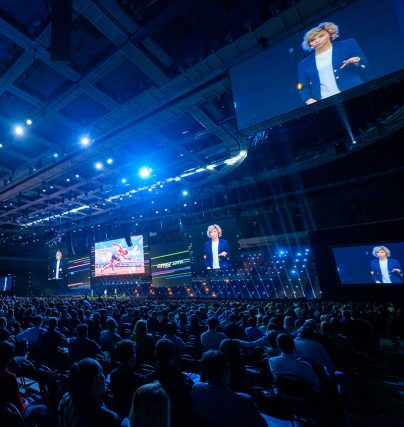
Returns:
<point x="61" y="267"/>
<point x="223" y="261"/>
<point x="376" y="272"/>
<point x="348" y="77"/>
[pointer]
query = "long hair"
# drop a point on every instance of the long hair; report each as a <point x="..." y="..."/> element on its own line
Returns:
<point x="82" y="381"/>
<point x="150" y="407"/>
<point x="331" y="29"/>
<point x="140" y="332"/>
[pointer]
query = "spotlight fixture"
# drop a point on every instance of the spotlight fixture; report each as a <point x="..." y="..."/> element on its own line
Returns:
<point x="123" y="180"/>
<point x="85" y="141"/>
<point x="145" y="172"/>
<point x="19" y="130"/>
<point x="109" y="161"/>
<point x="185" y="192"/>
<point x="28" y="122"/>
<point x="98" y="165"/>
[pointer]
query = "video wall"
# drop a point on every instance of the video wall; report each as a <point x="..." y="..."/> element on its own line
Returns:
<point x="6" y="283"/>
<point x="170" y="264"/>
<point x="115" y="257"/>
<point x="57" y="264"/>
<point x="358" y="44"/>
<point x="374" y="264"/>
<point x="79" y="272"/>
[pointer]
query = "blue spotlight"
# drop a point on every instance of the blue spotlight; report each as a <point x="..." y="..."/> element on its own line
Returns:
<point x="145" y="172"/>
<point x="19" y="130"/>
<point x="185" y="192"/>
<point x="28" y="122"/>
<point x="123" y="180"/>
<point x="85" y="141"/>
<point x="99" y="165"/>
<point x="109" y="161"/>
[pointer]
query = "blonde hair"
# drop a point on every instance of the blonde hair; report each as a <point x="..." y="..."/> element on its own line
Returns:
<point x="150" y="407"/>
<point x="381" y="248"/>
<point x="212" y="227"/>
<point x="331" y="29"/>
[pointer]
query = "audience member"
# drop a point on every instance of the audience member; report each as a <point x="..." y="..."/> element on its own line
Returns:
<point x="150" y="407"/>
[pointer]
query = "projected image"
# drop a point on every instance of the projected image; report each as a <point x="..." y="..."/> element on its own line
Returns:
<point x="332" y="66"/>
<point x="6" y="283"/>
<point x="170" y="265"/>
<point x="217" y="250"/>
<point x="345" y="50"/>
<point x="115" y="257"/>
<point x="56" y="265"/>
<point x="78" y="272"/>
<point x="376" y="264"/>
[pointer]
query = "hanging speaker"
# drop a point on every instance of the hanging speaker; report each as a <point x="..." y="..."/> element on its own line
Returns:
<point x="61" y="30"/>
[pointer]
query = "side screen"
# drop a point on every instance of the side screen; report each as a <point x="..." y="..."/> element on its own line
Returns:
<point x="373" y="264"/>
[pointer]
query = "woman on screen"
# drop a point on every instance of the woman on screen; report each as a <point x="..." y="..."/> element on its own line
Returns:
<point x="385" y="269"/>
<point x="57" y="272"/>
<point x="332" y="67"/>
<point x="217" y="251"/>
<point x="116" y="257"/>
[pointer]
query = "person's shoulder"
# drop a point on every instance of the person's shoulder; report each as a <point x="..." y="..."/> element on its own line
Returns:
<point x="345" y="43"/>
<point x="307" y="60"/>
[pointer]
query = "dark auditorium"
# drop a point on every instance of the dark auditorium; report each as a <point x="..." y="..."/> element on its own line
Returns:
<point x="201" y="213"/>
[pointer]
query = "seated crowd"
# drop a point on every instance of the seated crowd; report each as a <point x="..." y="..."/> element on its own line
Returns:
<point x="132" y="363"/>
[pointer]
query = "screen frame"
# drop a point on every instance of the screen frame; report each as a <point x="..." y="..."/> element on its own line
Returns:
<point x="322" y="242"/>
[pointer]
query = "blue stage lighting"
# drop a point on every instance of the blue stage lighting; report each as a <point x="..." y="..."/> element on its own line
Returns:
<point x="109" y="161"/>
<point x="99" y="165"/>
<point x="85" y="140"/>
<point x="145" y="172"/>
<point x="185" y="192"/>
<point x="28" y="122"/>
<point x="19" y="130"/>
<point x="123" y="180"/>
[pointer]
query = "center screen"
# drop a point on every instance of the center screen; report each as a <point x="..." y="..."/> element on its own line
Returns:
<point x="115" y="257"/>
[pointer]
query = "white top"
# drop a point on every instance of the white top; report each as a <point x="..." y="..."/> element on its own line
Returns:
<point x="57" y="269"/>
<point x="385" y="271"/>
<point x="328" y="84"/>
<point x="215" y="254"/>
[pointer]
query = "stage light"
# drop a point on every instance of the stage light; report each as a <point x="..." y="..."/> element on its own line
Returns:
<point x="123" y="180"/>
<point x="185" y="192"/>
<point x="1" y="145"/>
<point x="67" y="179"/>
<point x="99" y="165"/>
<point x="109" y="161"/>
<point x="77" y="175"/>
<point x="85" y="140"/>
<point x="19" y="130"/>
<point x="145" y="172"/>
<point x="55" y="155"/>
<point x="28" y="122"/>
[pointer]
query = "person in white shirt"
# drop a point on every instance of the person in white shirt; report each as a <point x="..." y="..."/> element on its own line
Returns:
<point x="333" y="67"/>
<point x="385" y="269"/>
<point x="58" y="266"/>
<point x="217" y="251"/>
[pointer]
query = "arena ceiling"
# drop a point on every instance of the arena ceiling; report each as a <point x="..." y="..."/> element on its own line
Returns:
<point x="147" y="82"/>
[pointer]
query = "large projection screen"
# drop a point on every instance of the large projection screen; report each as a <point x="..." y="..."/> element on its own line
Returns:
<point x="285" y="77"/>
